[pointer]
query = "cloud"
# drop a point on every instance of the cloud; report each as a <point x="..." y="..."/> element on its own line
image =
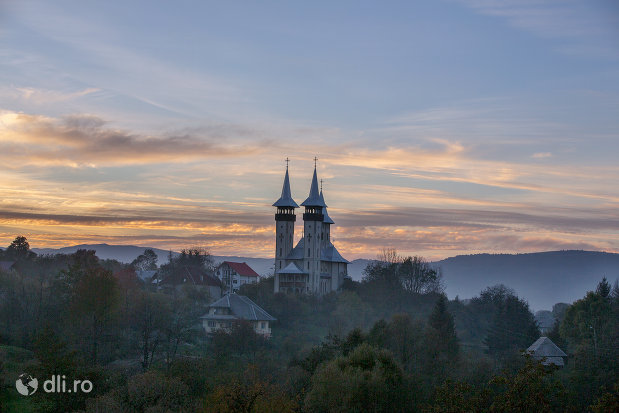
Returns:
<point x="541" y="155"/>
<point x="85" y="139"/>
<point x="43" y="96"/>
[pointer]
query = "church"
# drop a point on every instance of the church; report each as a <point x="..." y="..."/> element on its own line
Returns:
<point x="313" y="266"/>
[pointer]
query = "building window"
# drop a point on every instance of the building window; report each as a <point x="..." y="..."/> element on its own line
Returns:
<point x="235" y="281"/>
<point x="280" y="252"/>
<point x="309" y="252"/>
<point x="211" y="324"/>
<point x="262" y="325"/>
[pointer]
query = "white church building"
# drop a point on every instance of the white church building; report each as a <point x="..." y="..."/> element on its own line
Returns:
<point x="313" y="266"/>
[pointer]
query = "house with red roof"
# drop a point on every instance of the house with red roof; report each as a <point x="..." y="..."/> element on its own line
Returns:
<point x="234" y="274"/>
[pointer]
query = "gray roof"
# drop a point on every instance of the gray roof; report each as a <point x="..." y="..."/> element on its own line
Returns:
<point x="314" y="196"/>
<point x="327" y="219"/>
<point x="291" y="268"/>
<point x="544" y="347"/>
<point x="297" y="252"/>
<point x="286" y="199"/>
<point x="330" y="253"/>
<point x="241" y="307"/>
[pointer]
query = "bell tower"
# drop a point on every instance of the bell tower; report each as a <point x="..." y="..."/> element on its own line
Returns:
<point x="313" y="232"/>
<point x="284" y="225"/>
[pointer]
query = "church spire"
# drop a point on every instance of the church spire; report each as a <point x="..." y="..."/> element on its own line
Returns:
<point x="314" y="196"/>
<point x="286" y="199"/>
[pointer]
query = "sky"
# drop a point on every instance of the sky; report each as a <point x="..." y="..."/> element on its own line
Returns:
<point x="441" y="127"/>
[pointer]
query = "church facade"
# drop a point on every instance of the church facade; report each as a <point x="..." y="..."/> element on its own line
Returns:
<point x="313" y="265"/>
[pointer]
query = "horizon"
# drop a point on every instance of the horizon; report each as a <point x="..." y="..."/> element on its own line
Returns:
<point x="441" y="128"/>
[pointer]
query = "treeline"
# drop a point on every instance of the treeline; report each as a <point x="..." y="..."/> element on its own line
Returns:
<point x="392" y="342"/>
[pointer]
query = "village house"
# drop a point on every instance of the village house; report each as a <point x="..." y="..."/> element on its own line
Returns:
<point x="547" y="351"/>
<point x="234" y="274"/>
<point x="187" y="275"/>
<point x="230" y="309"/>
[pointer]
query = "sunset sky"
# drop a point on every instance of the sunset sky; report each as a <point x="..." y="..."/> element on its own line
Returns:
<point x="441" y="127"/>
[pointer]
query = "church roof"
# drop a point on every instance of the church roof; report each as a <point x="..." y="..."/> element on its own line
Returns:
<point x="544" y="347"/>
<point x="330" y="253"/>
<point x="314" y="196"/>
<point x="297" y="252"/>
<point x="291" y="268"/>
<point x="286" y="199"/>
<point x="327" y="219"/>
<point x="241" y="307"/>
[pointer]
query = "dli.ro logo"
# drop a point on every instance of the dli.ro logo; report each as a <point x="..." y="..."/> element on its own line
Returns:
<point x="27" y="385"/>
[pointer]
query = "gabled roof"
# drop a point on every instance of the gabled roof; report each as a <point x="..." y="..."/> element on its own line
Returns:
<point x="241" y="268"/>
<point x="314" y="196"/>
<point x="241" y="307"/>
<point x="190" y="275"/>
<point x="286" y="199"/>
<point x="291" y="268"/>
<point x="327" y="219"/>
<point x="544" y="347"/>
<point x="297" y="252"/>
<point x="330" y="253"/>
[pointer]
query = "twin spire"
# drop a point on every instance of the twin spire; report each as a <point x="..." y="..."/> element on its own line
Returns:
<point x="315" y="198"/>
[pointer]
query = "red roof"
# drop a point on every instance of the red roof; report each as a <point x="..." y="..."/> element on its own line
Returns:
<point x="241" y="268"/>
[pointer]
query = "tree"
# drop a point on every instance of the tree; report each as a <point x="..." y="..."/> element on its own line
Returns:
<point x="19" y="248"/>
<point x="368" y="379"/>
<point x="514" y="327"/>
<point x="146" y="261"/>
<point x="441" y="340"/>
<point x="531" y="389"/>
<point x="418" y="276"/>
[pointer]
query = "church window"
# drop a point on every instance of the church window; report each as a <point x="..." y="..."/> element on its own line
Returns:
<point x="309" y="252"/>
<point x="308" y="265"/>
<point x="280" y="252"/>
<point x="280" y="265"/>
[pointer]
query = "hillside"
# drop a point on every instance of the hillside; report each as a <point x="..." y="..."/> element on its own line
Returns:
<point x="543" y="278"/>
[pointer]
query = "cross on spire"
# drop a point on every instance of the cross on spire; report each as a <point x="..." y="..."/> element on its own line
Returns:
<point x="321" y="185"/>
<point x="315" y="161"/>
<point x="287" y="160"/>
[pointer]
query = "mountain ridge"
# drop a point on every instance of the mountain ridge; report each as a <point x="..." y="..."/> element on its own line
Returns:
<point x="542" y="278"/>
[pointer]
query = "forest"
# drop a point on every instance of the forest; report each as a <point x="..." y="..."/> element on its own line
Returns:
<point x="390" y="343"/>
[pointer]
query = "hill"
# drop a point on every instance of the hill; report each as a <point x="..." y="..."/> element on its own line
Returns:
<point x="543" y="278"/>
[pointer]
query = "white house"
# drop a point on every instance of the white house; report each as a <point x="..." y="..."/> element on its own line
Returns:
<point x="231" y="308"/>
<point x="235" y="274"/>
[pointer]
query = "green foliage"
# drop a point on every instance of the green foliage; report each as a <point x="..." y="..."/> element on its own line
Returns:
<point x="368" y="379"/>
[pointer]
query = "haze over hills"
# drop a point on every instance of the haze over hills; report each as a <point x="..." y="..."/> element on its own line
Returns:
<point x="543" y="278"/>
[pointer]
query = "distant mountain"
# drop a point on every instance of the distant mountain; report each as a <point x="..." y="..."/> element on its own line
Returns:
<point x="542" y="278"/>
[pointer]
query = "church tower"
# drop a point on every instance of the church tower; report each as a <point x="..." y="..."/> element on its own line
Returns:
<point x="284" y="225"/>
<point x="314" y="234"/>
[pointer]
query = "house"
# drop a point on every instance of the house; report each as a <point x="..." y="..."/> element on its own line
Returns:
<point x="314" y="265"/>
<point x="187" y="275"/>
<point x="544" y="348"/>
<point x="231" y="308"/>
<point x="234" y="274"/>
